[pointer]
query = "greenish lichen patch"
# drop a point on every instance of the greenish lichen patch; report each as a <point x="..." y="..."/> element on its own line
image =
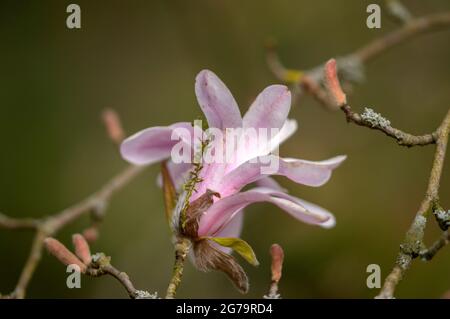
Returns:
<point x="374" y="119"/>
<point x="414" y="238"/>
<point x="142" y="294"/>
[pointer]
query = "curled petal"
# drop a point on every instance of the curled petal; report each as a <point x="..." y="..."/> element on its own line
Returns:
<point x="216" y="101"/>
<point x="269" y="182"/>
<point x="223" y="211"/>
<point x="207" y="257"/>
<point x="300" y="171"/>
<point x="330" y="223"/>
<point x="270" y="109"/>
<point x="155" y="144"/>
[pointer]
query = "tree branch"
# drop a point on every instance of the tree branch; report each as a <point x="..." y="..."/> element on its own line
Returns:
<point x="17" y="223"/>
<point x="351" y="65"/>
<point x="414" y="27"/>
<point x="375" y="121"/>
<point x="334" y="98"/>
<point x="182" y="247"/>
<point x="429" y="253"/>
<point x="49" y="226"/>
<point x="101" y="265"/>
<point x="411" y="246"/>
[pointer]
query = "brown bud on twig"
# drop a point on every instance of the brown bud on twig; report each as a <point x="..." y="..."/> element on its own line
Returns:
<point x="113" y="125"/>
<point x="64" y="255"/>
<point x="82" y="249"/>
<point x="277" y="254"/>
<point x="332" y="84"/>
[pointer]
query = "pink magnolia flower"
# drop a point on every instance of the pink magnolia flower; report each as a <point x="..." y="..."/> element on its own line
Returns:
<point x="218" y="201"/>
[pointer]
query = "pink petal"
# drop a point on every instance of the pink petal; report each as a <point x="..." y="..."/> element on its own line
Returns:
<point x="224" y="210"/>
<point x="216" y="101"/>
<point x="300" y="171"/>
<point x="330" y="223"/>
<point x="152" y="144"/>
<point x="270" y="109"/>
<point x="289" y="127"/>
<point x="251" y="149"/>
<point x="269" y="182"/>
<point x="232" y="229"/>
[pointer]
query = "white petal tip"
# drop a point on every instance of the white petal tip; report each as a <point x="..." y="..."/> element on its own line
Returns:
<point x="330" y="223"/>
<point x="337" y="161"/>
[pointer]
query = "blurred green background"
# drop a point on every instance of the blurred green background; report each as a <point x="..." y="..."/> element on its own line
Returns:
<point x="140" y="58"/>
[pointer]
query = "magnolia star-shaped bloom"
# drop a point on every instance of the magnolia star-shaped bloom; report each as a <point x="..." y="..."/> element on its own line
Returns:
<point x="213" y="214"/>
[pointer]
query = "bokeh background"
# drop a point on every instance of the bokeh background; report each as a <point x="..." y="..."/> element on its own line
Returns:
<point x="140" y="58"/>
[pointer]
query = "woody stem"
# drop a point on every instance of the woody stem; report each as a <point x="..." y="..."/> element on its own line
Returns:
<point x="182" y="247"/>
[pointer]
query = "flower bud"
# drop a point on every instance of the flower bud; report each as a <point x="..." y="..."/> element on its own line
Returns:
<point x="82" y="249"/>
<point x="277" y="262"/>
<point x="113" y="126"/>
<point x="332" y="84"/>
<point x="64" y="255"/>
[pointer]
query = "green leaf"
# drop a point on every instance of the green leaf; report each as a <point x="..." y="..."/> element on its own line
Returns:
<point x="238" y="245"/>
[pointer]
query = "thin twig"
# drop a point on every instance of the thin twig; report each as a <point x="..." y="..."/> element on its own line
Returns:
<point x="375" y="121"/>
<point x="182" y="247"/>
<point x="411" y="29"/>
<point x="429" y="253"/>
<point x="18" y="223"/>
<point x="49" y="226"/>
<point x="311" y="82"/>
<point x="411" y="246"/>
<point x="368" y="52"/>
<point x="370" y="119"/>
<point x="101" y="265"/>
<point x="413" y="243"/>
<point x="351" y="65"/>
<point x="30" y="265"/>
